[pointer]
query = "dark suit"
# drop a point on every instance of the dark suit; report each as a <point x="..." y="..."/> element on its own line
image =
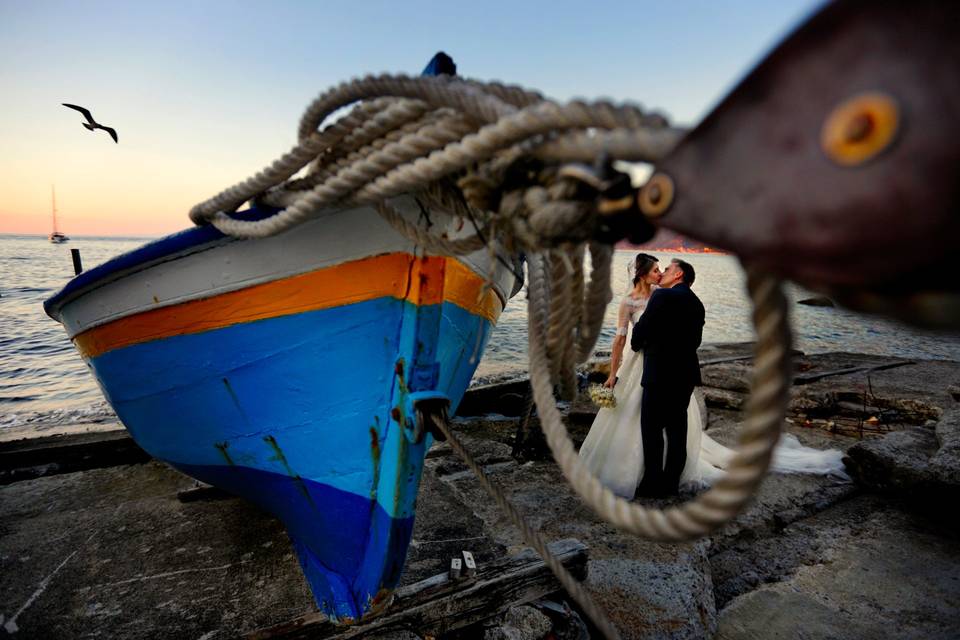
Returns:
<point x="669" y="333"/>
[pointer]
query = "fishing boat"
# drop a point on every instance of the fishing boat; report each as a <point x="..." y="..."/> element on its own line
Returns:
<point x="292" y="370"/>
<point x="289" y="371"/>
<point x="55" y="236"/>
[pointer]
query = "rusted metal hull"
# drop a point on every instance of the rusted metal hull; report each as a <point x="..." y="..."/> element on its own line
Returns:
<point x="836" y="162"/>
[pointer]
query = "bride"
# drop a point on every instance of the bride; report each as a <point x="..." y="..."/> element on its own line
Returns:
<point x="613" y="449"/>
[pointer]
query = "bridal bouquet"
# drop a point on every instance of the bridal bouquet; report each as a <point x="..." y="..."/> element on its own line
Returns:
<point x="602" y="396"/>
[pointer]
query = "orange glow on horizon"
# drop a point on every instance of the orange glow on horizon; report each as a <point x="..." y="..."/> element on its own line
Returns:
<point x="133" y="193"/>
<point x="79" y="226"/>
<point x="670" y="247"/>
<point x="143" y="186"/>
<point x="690" y="250"/>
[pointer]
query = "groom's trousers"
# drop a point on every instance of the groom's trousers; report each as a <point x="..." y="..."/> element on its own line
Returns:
<point x="663" y="410"/>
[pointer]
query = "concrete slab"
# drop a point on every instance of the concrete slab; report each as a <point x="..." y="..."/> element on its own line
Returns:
<point x="875" y="571"/>
<point x="113" y="553"/>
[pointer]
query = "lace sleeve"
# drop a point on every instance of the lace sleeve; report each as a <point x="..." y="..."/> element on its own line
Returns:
<point x="623" y="317"/>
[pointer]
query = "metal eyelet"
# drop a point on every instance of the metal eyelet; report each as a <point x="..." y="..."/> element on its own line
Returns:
<point x="860" y="128"/>
<point x="656" y="196"/>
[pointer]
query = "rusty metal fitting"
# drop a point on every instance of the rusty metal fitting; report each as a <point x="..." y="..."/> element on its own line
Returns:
<point x="860" y="128"/>
<point x="656" y="195"/>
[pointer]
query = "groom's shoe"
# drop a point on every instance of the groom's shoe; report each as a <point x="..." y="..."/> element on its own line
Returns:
<point x="649" y="491"/>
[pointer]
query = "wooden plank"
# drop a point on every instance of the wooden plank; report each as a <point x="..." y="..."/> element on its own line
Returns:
<point x="505" y="398"/>
<point x="51" y="455"/>
<point x="807" y="378"/>
<point x="439" y="605"/>
<point x="706" y="363"/>
<point x="813" y="377"/>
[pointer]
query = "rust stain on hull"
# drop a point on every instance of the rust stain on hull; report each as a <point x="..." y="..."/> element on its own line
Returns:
<point x="282" y="459"/>
<point x="222" y="448"/>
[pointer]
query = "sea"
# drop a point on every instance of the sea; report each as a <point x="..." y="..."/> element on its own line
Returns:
<point x="45" y="386"/>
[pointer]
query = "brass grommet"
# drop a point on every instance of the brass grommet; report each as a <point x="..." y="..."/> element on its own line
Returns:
<point x="656" y="196"/>
<point x="860" y="128"/>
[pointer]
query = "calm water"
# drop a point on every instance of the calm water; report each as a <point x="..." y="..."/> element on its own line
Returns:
<point x="44" y="383"/>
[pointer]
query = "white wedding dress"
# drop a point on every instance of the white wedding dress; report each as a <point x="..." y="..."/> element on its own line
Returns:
<point x="613" y="449"/>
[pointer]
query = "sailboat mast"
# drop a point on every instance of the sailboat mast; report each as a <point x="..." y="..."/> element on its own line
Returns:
<point x="53" y="194"/>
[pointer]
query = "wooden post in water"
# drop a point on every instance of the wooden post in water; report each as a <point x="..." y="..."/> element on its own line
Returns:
<point x="77" y="265"/>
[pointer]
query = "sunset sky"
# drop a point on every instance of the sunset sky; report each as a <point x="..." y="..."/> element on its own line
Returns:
<point x="205" y="93"/>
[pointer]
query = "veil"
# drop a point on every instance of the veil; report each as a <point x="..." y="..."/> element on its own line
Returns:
<point x="631" y="272"/>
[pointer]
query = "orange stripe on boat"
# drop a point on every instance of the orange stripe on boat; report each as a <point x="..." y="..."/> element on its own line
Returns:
<point x="422" y="281"/>
<point x="426" y="281"/>
<point x="466" y="289"/>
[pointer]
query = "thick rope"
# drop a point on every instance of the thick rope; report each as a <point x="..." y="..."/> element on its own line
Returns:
<point x="429" y="241"/>
<point x="532" y="537"/>
<point x="472" y="123"/>
<point x="598" y="296"/>
<point x="418" y="135"/>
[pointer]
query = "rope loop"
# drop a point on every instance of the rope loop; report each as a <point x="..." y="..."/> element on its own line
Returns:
<point x="765" y="412"/>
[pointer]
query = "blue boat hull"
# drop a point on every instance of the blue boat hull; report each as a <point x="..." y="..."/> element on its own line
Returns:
<point x="294" y="413"/>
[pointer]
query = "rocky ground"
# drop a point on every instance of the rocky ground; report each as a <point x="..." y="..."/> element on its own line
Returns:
<point x="811" y="557"/>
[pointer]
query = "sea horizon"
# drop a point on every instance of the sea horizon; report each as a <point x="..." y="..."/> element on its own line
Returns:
<point x="44" y="382"/>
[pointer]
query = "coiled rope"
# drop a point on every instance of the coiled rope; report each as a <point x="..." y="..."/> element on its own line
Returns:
<point x="461" y="145"/>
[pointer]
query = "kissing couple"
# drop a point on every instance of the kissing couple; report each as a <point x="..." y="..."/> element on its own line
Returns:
<point x="652" y="441"/>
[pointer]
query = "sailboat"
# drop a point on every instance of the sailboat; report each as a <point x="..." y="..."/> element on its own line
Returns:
<point x="55" y="236"/>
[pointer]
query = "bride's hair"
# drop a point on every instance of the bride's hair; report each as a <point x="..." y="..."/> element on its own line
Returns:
<point x="642" y="265"/>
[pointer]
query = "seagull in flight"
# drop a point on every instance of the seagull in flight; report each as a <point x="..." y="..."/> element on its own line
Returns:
<point x="91" y="124"/>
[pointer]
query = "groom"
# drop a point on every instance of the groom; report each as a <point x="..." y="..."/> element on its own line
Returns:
<point x="669" y="332"/>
